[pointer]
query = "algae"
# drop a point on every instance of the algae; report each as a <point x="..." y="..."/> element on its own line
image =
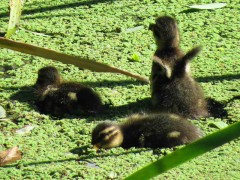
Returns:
<point x="97" y="29"/>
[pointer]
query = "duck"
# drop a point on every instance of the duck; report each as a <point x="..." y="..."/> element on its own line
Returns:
<point x="56" y="97"/>
<point x="156" y="130"/>
<point x="47" y="76"/>
<point x="173" y="89"/>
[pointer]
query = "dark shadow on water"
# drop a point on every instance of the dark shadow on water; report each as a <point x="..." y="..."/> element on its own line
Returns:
<point x="111" y="84"/>
<point x="52" y="16"/>
<point x="25" y="94"/>
<point x="190" y="11"/>
<point x="103" y="83"/>
<point x="80" y="150"/>
<point x="84" y="150"/>
<point x="234" y="98"/>
<point x="228" y="77"/>
<point x="83" y="156"/>
<point x="216" y="109"/>
<point x="59" y="7"/>
<point x="113" y="112"/>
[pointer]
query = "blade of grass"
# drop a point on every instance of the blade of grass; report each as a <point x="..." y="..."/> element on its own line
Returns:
<point x="64" y="58"/>
<point x="15" y="14"/>
<point x="188" y="152"/>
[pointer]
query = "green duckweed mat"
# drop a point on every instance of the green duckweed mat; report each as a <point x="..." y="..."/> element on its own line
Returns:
<point x="59" y="148"/>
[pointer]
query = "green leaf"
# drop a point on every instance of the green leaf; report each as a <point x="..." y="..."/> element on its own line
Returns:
<point x="188" y="152"/>
<point x="137" y="28"/>
<point x="208" y="6"/>
<point x="64" y="58"/>
<point x="219" y="124"/>
<point x="15" y="14"/>
<point x="3" y="113"/>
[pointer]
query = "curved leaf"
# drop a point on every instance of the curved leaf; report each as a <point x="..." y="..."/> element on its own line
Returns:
<point x="15" y="15"/>
<point x="64" y="58"/>
<point x="188" y="152"/>
<point x="208" y="6"/>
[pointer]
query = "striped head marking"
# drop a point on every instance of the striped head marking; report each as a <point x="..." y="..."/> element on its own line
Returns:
<point x="107" y="137"/>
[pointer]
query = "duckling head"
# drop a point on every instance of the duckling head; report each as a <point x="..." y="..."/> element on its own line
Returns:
<point x="165" y="32"/>
<point x="107" y="135"/>
<point x="48" y="76"/>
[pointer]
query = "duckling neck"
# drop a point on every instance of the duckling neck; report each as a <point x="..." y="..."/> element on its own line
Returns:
<point x="167" y="48"/>
<point x="167" y="52"/>
<point x="131" y="134"/>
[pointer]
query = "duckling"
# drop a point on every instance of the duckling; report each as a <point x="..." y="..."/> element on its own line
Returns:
<point x="172" y="87"/>
<point x="58" y="98"/>
<point x="48" y="76"/>
<point x="147" y="130"/>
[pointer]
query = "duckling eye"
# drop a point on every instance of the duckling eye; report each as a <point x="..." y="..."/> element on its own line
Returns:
<point x="110" y="132"/>
<point x="101" y="136"/>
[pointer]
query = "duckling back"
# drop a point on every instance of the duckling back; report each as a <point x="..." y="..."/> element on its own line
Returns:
<point x="158" y="130"/>
<point x="69" y="98"/>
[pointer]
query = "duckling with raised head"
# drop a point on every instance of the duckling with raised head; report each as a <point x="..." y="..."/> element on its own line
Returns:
<point x="47" y="77"/>
<point x="58" y="98"/>
<point x="172" y="87"/>
<point x="153" y="131"/>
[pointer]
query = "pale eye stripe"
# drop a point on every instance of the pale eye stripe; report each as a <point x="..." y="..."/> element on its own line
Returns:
<point x="107" y="130"/>
<point x="110" y="134"/>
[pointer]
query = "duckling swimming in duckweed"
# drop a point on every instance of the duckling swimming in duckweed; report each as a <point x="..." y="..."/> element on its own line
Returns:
<point x="153" y="131"/>
<point x="58" y="98"/>
<point x="172" y="87"/>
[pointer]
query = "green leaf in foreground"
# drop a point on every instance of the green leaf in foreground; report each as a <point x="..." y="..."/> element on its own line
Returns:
<point x="64" y="58"/>
<point x="208" y="6"/>
<point x="15" y="14"/>
<point x="188" y="152"/>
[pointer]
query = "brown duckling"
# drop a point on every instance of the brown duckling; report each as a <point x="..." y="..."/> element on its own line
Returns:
<point x="47" y="76"/>
<point x="153" y="130"/>
<point x="58" y="98"/>
<point x="172" y="87"/>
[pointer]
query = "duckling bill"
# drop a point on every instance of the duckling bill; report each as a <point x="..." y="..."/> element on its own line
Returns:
<point x="58" y="98"/>
<point x="149" y="131"/>
<point x="172" y="87"/>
